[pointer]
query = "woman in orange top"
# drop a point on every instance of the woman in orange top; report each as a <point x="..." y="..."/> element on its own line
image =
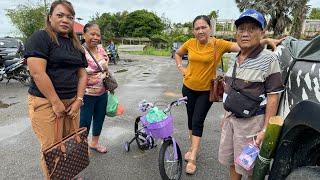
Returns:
<point x="204" y="53"/>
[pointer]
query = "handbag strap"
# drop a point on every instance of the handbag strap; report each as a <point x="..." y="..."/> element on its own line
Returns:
<point x="215" y="55"/>
<point x="259" y="99"/>
<point x="94" y="59"/>
<point x="59" y="127"/>
<point x="234" y="74"/>
<point x="222" y="65"/>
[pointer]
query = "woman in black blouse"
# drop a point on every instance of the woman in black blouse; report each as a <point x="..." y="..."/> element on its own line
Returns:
<point x="57" y="65"/>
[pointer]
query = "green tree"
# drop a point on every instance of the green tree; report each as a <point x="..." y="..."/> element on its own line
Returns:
<point x="214" y="14"/>
<point x="111" y="25"/>
<point x="142" y="23"/>
<point x="27" y="19"/>
<point x="315" y="13"/>
<point x="299" y="14"/>
<point x="282" y="13"/>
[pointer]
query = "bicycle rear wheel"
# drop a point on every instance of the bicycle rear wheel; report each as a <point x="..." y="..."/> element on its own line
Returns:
<point x="169" y="167"/>
<point x="141" y="135"/>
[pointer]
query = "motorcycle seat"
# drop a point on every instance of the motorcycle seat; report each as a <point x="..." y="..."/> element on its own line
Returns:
<point x="10" y="62"/>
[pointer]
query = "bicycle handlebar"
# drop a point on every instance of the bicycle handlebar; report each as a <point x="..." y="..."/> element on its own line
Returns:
<point x="177" y="102"/>
<point x="144" y="105"/>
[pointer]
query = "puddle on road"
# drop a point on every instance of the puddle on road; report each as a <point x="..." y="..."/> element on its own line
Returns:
<point x="150" y="85"/>
<point x="121" y="71"/>
<point x="128" y="60"/>
<point x="113" y="134"/>
<point x="14" y="129"/>
<point x="5" y="105"/>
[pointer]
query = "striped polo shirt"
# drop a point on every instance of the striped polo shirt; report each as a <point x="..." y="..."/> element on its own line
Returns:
<point x="258" y="75"/>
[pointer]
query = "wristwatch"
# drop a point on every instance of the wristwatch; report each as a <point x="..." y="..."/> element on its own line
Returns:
<point x="179" y="65"/>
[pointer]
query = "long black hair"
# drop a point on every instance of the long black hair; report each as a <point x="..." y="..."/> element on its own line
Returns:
<point x="203" y="17"/>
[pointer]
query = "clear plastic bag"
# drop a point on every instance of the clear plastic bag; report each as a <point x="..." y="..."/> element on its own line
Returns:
<point x="248" y="156"/>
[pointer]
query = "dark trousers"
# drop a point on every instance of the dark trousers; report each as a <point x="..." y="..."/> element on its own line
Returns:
<point x="93" y="110"/>
<point x="197" y="108"/>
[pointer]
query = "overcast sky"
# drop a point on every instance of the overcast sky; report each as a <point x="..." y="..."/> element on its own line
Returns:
<point x="175" y="10"/>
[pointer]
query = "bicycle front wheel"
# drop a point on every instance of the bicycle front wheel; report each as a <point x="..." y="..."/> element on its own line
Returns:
<point x="169" y="167"/>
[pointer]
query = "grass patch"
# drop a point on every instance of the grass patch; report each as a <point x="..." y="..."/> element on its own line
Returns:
<point x="153" y="51"/>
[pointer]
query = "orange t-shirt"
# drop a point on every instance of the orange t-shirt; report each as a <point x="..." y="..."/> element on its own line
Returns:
<point x="203" y="61"/>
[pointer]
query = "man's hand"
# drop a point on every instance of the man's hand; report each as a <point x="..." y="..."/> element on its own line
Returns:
<point x="260" y="137"/>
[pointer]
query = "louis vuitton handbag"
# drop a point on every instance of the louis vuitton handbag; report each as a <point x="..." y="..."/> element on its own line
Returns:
<point x="68" y="157"/>
<point x="109" y="82"/>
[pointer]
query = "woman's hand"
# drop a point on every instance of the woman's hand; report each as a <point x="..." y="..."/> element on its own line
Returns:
<point x="272" y="42"/>
<point x="74" y="108"/>
<point x="59" y="109"/>
<point x="182" y="70"/>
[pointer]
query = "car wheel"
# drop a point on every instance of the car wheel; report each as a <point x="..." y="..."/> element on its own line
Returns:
<point x="307" y="172"/>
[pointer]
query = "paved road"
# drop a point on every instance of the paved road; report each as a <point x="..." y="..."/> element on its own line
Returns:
<point x="140" y="77"/>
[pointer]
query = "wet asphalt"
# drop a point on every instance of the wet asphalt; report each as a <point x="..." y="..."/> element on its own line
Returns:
<point x="154" y="79"/>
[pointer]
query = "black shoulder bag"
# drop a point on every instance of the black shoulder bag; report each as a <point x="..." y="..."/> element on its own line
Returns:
<point x="109" y="81"/>
<point x="241" y="104"/>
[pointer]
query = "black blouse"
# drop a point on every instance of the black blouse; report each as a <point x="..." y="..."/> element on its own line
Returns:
<point x="63" y="63"/>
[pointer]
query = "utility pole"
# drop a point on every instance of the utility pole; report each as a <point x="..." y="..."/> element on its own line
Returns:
<point x="45" y="6"/>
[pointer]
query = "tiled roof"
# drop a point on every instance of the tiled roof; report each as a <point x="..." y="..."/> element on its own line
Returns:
<point x="78" y="28"/>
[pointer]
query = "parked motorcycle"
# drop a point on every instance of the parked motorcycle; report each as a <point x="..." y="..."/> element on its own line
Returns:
<point x="113" y="54"/>
<point x="15" y="69"/>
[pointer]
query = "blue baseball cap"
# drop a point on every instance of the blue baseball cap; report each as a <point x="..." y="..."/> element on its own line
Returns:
<point x="251" y="14"/>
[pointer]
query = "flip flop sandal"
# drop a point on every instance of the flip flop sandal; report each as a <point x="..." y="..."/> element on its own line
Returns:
<point x="189" y="170"/>
<point x="99" y="149"/>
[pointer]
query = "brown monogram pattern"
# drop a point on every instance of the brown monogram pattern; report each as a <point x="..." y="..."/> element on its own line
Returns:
<point x="68" y="157"/>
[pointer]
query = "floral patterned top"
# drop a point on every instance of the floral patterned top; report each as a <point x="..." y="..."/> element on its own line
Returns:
<point x="95" y="76"/>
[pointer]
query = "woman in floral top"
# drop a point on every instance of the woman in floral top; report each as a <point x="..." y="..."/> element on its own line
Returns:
<point x="96" y="97"/>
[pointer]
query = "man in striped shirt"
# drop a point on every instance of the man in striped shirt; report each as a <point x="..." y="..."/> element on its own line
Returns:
<point x="257" y="73"/>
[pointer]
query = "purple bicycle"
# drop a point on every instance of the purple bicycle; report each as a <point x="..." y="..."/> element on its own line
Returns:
<point x="170" y="159"/>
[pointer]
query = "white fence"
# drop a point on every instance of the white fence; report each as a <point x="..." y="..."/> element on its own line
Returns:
<point x="126" y="48"/>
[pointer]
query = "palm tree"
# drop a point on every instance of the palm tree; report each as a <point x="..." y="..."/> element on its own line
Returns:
<point x="279" y="12"/>
<point x="299" y="13"/>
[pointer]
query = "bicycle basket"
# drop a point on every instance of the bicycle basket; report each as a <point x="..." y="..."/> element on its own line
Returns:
<point x="160" y="129"/>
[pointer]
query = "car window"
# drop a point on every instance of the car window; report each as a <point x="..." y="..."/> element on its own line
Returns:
<point x="8" y="43"/>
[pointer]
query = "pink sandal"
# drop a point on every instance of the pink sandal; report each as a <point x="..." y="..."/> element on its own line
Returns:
<point x="100" y="149"/>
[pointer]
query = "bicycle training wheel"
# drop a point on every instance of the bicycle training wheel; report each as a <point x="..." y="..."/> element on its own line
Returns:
<point x="169" y="167"/>
<point x="141" y="136"/>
